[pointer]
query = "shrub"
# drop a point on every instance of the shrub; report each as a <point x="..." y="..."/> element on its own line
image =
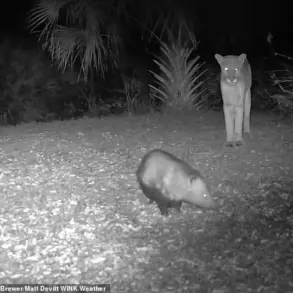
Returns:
<point x="179" y="83"/>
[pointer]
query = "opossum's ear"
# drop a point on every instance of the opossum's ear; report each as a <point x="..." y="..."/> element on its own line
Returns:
<point x="191" y="180"/>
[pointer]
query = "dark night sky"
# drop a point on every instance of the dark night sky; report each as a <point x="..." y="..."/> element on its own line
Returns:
<point x="212" y="19"/>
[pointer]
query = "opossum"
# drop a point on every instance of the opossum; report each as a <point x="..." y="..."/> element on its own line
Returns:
<point x="169" y="181"/>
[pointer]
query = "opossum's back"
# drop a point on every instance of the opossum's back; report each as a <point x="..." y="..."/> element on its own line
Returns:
<point x="159" y="164"/>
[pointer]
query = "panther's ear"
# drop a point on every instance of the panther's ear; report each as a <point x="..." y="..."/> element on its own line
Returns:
<point x="242" y="57"/>
<point x="219" y="58"/>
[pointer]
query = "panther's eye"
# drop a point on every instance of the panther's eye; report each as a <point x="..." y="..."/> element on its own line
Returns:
<point x="226" y="68"/>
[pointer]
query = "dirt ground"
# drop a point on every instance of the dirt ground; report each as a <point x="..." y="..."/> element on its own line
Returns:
<point x="72" y="211"/>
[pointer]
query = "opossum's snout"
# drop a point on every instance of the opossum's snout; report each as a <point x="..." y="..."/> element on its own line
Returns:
<point x="200" y="194"/>
<point x="209" y="203"/>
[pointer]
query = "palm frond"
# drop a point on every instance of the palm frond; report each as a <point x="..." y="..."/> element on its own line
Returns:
<point x="44" y="13"/>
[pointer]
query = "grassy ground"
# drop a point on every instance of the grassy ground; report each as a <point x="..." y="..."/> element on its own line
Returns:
<point x="72" y="212"/>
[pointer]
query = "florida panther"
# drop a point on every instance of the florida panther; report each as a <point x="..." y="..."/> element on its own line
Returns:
<point x="236" y="94"/>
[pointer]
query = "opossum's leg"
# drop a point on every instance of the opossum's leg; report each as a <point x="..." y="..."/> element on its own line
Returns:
<point x="150" y="193"/>
<point x="177" y="206"/>
<point x="163" y="208"/>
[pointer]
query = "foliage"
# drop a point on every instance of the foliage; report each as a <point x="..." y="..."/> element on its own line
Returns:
<point x="91" y="36"/>
<point x="25" y="77"/>
<point x="179" y="83"/>
<point x="262" y="88"/>
<point x="87" y="33"/>
<point x="131" y="80"/>
<point x="283" y="80"/>
<point x="33" y="90"/>
<point x="212" y="85"/>
<point x="137" y="100"/>
<point x="83" y="34"/>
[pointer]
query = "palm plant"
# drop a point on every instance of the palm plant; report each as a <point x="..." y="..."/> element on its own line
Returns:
<point x="89" y="32"/>
<point x="82" y="31"/>
<point x="179" y="84"/>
